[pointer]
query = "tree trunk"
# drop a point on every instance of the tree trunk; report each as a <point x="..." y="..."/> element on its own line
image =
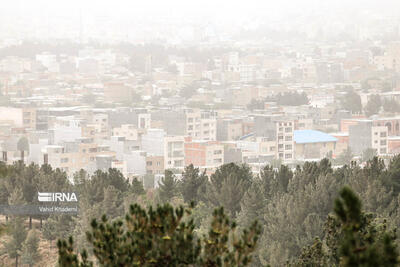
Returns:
<point x="41" y="223"/>
<point x="30" y="222"/>
<point x="16" y="261"/>
<point x="6" y="219"/>
<point x="22" y="155"/>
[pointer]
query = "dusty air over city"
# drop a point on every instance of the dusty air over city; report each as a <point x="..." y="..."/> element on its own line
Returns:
<point x="199" y="133"/>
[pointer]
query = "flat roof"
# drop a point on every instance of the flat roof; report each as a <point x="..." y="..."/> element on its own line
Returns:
<point x="312" y="136"/>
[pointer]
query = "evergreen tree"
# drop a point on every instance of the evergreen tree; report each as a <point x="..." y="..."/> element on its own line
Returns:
<point x="49" y="231"/>
<point x="361" y="243"/>
<point x="192" y="185"/>
<point x="344" y="158"/>
<point x="112" y="203"/>
<point x="252" y="205"/>
<point x="58" y="226"/>
<point x="391" y="106"/>
<point x="228" y="185"/>
<point x="22" y="146"/>
<point x="352" y="102"/>
<point x="16" y="228"/>
<point x="373" y="106"/>
<point x="137" y="187"/>
<point x="17" y="232"/>
<point x="168" y="187"/>
<point x="163" y="237"/>
<point x="351" y="238"/>
<point x="30" y="248"/>
<point x="368" y="154"/>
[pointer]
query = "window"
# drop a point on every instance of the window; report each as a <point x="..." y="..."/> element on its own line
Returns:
<point x="149" y="163"/>
<point x="383" y="150"/>
<point x="217" y="152"/>
<point x="288" y="129"/>
<point x="288" y="147"/>
<point x="288" y="138"/>
<point x="383" y="142"/>
<point x="280" y="146"/>
<point x="64" y="160"/>
<point x="383" y="134"/>
<point x="288" y="156"/>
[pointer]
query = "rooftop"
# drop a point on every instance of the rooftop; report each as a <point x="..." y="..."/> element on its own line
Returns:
<point x="312" y="136"/>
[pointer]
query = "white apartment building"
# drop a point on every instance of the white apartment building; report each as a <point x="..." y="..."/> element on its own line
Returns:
<point x="174" y="152"/>
<point x="285" y="140"/>
<point x="379" y="139"/>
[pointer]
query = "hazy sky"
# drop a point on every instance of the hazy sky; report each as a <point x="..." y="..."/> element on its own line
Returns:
<point x="224" y="8"/>
<point x="22" y="17"/>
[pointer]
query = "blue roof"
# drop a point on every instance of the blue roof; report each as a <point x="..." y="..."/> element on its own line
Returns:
<point x="246" y="136"/>
<point x="312" y="136"/>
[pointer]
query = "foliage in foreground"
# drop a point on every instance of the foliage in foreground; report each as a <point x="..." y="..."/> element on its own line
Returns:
<point x="164" y="236"/>
<point x="352" y="238"/>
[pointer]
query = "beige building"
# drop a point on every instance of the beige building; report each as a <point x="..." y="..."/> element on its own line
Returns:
<point x="201" y="125"/>
<point x="129" y="131"/>
<point x="19" y="117"/>
<point x="154" y="164"/>
<point x="72" y="158"/>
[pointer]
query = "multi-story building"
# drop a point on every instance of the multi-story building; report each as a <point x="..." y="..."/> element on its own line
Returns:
<point x="229" y="129"/>
<point x="207" y="154"/>
<point x="154" y="164"/>
<point x="19" y="117"/>
<point x="285" y="140"/>
<point x="379" y="139"/>
<point x="74" y="156"/>
<point x="201" y="125"/>
<point x="365" y="135"/>
<point x="129" y="131"/>
<point x="174" y="152"/>
<point x="311" y="144"/>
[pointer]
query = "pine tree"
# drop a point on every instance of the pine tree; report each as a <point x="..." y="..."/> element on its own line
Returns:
<point x="163" y="236"/>
<point x="168" y="187"/>
<point x="112" y="203"/>
<point x="23" y="145"/>
<point x="368" y="154"/>
<point x="30" y="252"/>
<point x="373" y="106"/>
<point x="228" y="185"/>
<point x="137" y="187"/>
<point x="252" y="205"/>
<point x="16" y="230"/>
<point x="361" y="243"/>
<point x="49" y="231"/>
<point x="192" y="184"/>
